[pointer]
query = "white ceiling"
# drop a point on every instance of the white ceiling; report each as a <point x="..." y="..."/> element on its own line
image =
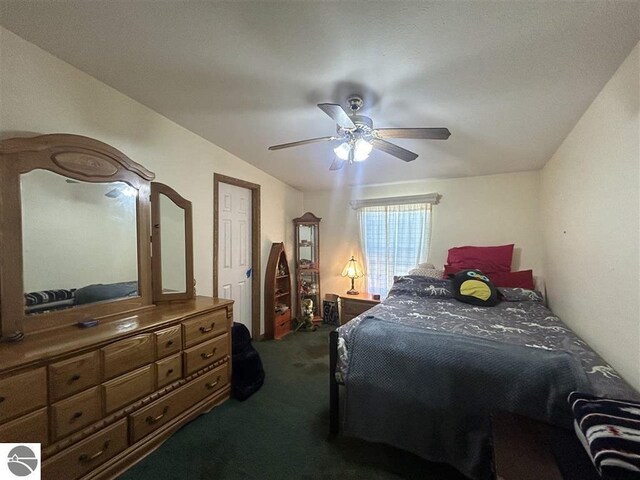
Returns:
<point x="509" y="79"/>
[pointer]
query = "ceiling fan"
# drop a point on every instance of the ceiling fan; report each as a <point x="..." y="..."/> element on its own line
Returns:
<point x="358" y="137"/>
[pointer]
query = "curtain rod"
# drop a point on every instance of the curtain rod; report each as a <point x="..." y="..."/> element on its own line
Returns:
<point x="432" y="198"/>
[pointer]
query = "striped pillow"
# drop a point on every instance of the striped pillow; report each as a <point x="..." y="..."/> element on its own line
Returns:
<point x="610" y="432"/>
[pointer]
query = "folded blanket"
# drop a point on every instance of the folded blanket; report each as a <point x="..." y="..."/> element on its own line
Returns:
<point x="610" y="432"/>
<point x="48" y="296"/>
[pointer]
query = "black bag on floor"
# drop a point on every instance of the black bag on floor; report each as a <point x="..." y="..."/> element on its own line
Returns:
<point x="247" y="373"/>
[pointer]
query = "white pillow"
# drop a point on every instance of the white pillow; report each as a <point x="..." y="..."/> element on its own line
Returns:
<point x="427" y="272"/>
<point x="426" y="265"/>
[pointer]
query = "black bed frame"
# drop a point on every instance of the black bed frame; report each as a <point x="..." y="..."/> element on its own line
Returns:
<point x="334" y="393"/>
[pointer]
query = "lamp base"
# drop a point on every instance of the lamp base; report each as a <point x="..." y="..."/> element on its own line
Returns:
<point x="353" y="292"/>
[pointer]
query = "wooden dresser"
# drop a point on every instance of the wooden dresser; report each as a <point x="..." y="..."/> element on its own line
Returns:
<point x="101" y="398"/>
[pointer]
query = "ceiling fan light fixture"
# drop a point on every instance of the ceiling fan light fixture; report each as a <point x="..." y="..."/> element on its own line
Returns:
<point x="362" y="149"/>
<point x="342" y="151"/>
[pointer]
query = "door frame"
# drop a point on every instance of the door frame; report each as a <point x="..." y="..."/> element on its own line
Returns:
<point x="256" y="268"/>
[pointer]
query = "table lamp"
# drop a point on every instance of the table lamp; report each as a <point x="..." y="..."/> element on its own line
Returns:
<point x="352" y="270"/>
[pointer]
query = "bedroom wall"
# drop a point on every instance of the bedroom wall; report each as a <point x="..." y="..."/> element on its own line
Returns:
<point x="591" y="206"/>
<point x="487" y="210"/>
<point x="41" y="94"/>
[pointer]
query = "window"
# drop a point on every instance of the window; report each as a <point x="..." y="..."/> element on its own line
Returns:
<point x="394" y="239"/>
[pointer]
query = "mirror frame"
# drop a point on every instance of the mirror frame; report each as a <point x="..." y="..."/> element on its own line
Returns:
<point x="79" y="158"/>
<point x="156" y="242"/>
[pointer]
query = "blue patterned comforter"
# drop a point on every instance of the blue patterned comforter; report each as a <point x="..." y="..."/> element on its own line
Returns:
<point x="427" y="370"/>
<point x="521" y="319"/>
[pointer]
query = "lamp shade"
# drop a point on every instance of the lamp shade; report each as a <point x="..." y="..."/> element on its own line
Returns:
<point x="352" y="269"/>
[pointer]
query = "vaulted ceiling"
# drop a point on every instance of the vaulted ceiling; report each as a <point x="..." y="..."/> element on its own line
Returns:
<point x="509" y="79"/>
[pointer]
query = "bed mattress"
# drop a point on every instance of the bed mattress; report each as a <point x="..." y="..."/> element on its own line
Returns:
<point x="520" y="319"/>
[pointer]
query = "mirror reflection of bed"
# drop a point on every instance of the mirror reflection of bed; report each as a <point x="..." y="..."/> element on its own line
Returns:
<point x="79" y="241"/>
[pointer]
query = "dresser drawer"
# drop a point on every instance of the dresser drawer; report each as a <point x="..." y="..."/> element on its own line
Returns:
<point x="22" y="393"/>
<point x="204" y="327"/>
<point x="84" y="456"/>
<point x="73" y="375"/>
<point x="125" y="355"/>
<point x="168" y="341"/>
<point x="149" y="418"/>
<point x="205" y="354"/>
<point x="168" y="370"/>
<point x="355" y="308"/>
<point x="127" y="388"/>
<point x="32" y="428"/>
<point x="75" y="412"/>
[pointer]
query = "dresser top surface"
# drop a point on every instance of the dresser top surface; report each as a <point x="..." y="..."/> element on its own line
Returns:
<point x="37" y="347"/>
<point x="360" y="297"/>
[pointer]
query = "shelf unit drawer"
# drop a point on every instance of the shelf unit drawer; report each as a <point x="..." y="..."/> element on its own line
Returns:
<point x="127" y="354"/>
<point x="152" y="417"/>
<point x="168" y="341"/>
<point x="78" y="460"/>
<point x="22" y="393"/>
<point x="32" y="428"/>
<point x="73" y="375"/>
<point x="204" y="327"/>
<point x="128" y="388"/>
<point x="75" y="412"/>
<point x="198" y="357"/>
<point x="168" y="370"/>
<point x="282" y="324"/>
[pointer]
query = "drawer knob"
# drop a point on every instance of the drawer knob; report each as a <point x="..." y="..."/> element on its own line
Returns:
<point x="207" y="329"/>
<point x="74" y="378"/>
<point x="86" y="458"/>
<point x="2" y="399"/>
<point x="76" y="416"/>
<point x="169" y="372"/>
<point x="208" y="355"/>
<point x="212" y="385"/>
<point x="169" y="343"/>
<point x="151" y="420"/>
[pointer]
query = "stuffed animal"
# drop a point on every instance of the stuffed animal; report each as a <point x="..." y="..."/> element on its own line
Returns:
<point x="306" y="319"/>
<point x="474" y="287"/>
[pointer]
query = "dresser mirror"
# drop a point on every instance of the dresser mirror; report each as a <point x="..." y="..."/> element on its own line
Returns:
<point x="75" y="226"/>
<point x="172" y="244"/>
<point x="79" y="241"/>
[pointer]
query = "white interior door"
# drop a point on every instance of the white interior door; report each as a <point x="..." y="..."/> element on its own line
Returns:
<point x="234" y="249"/>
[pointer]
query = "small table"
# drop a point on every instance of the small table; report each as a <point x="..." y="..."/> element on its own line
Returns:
<point x="353" y="305"/>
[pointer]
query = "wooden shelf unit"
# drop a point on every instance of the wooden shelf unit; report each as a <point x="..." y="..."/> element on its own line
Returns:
<point x="307" y="248"/>
<point x="277" y="293"/>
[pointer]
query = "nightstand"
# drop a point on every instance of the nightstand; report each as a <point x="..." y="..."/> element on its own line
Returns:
<point x="353" y="305"/>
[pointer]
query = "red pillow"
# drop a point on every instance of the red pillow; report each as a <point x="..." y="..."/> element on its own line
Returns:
<point x="522" y="279"/>
<point x="485" y="259"/>
<point x="449" y="270"/>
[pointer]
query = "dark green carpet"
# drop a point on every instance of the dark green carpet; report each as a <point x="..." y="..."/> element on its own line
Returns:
<point x="281" y="432"/>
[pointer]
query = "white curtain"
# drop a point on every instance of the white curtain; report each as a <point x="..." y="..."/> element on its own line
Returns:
<point x="394" y="239"/>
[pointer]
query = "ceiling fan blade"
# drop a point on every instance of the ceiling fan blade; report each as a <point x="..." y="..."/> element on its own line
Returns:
<point x="302" y="142"/>
<point x="337" y="164"/>
<point x="395" y="150"/>
<point x="425" y="133"/>
<point x="338" y="114"/>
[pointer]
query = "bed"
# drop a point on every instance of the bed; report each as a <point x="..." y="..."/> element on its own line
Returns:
<point x="51" y="300"/>
<point x="424" y="372"/>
